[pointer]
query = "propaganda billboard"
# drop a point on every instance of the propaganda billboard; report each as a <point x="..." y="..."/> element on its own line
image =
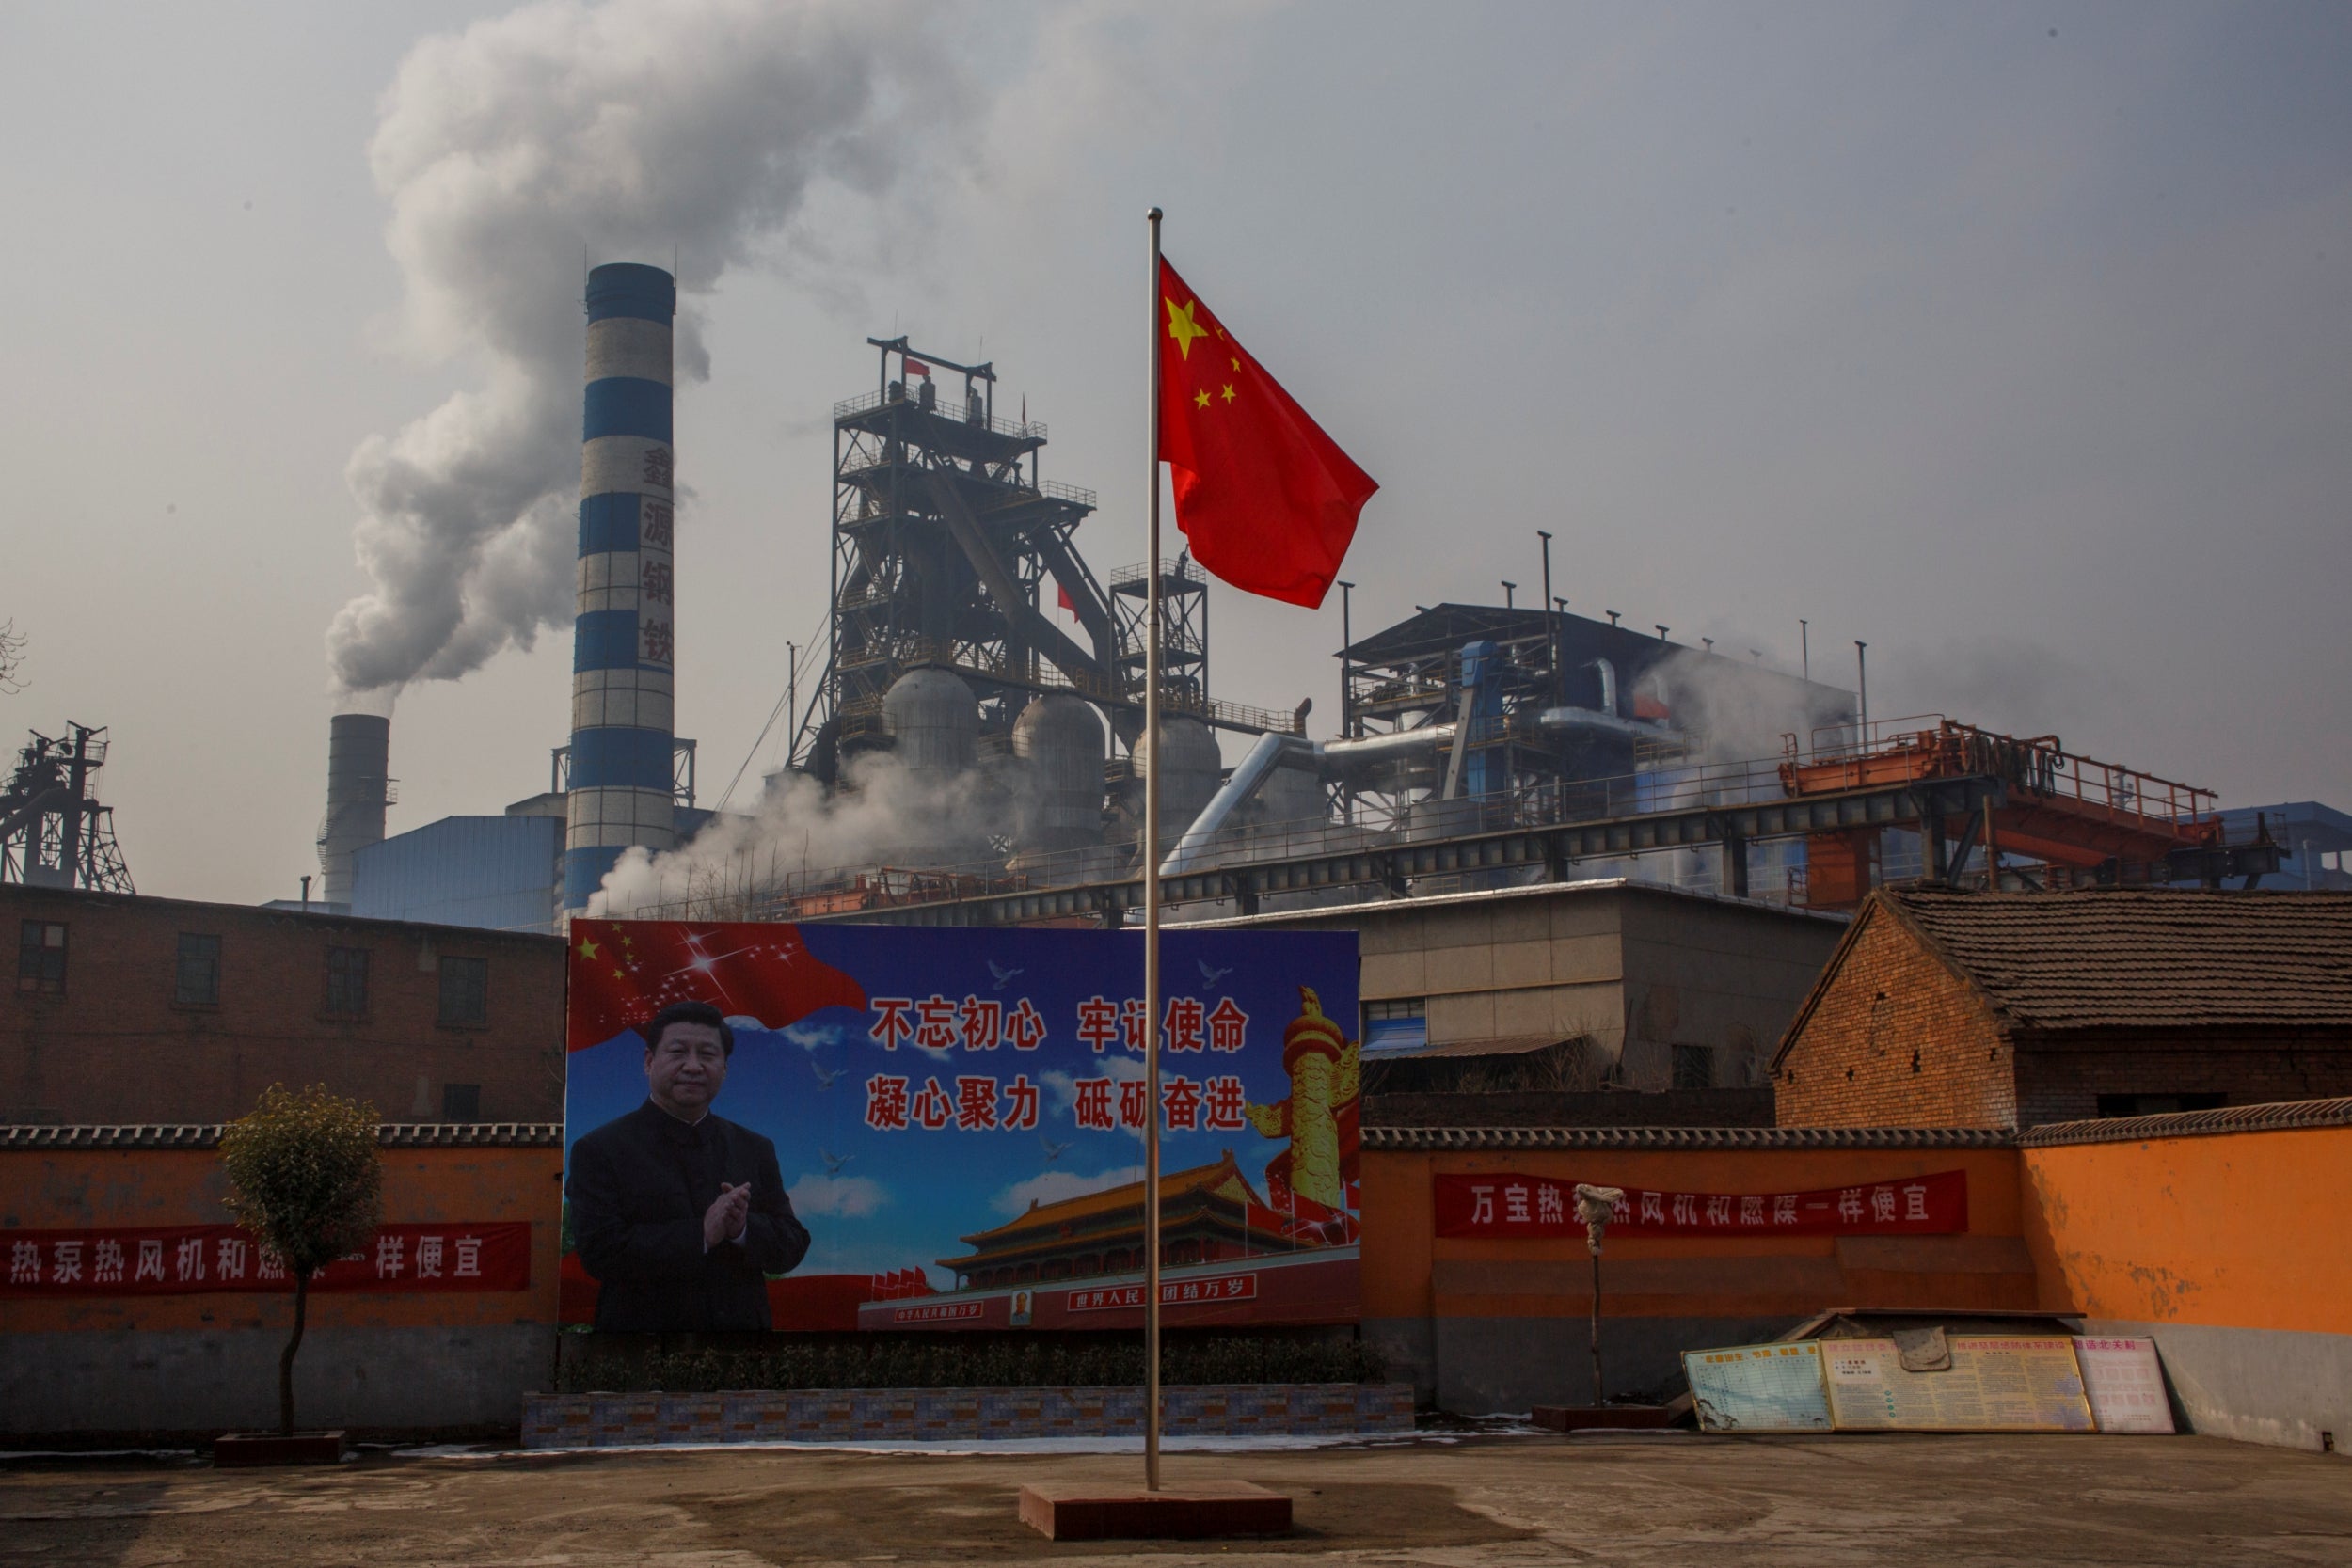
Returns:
<point x="864" y="1127"/>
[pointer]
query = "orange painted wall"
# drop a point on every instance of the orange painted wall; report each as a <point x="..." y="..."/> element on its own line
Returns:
<point x="78" y="1189"/>
<point x="2242" y="1230"/>
<point x="1409" y="1271"/>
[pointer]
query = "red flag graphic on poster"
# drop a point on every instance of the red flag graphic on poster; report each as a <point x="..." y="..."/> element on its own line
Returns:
<point x="1268" y="500"/>
<point x="622" y="971"/>
<point x="1514" y="1204"/>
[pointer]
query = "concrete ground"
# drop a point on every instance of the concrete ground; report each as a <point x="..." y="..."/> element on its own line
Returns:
<point x="1630" y="1500"/>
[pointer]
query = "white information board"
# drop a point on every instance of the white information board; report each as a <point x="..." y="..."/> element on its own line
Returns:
<point x="2126" y="1383"/>
<point x="1996" y="1382"/>
<point x="1759" y="1389"/>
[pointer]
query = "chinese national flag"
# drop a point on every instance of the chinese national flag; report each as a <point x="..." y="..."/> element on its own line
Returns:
<point x="624" y="972"/>
<point x="1268" y="500"/>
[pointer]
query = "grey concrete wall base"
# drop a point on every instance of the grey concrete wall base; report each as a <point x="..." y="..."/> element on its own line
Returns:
<point x="2270" y="1386"/>
<point x="1498" y="1366"/>
<point x="189" y="1383"/>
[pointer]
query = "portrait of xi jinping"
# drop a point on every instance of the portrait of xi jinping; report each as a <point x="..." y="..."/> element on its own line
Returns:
<point x="678" y="1214"/>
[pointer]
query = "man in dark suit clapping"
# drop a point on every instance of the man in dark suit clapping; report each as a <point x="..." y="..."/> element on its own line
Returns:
<point x="680" y="1215"/>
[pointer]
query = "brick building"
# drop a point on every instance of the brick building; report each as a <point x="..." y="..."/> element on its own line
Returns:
<point x="135" y="1010"/>
<point x="2013" y="1010"/>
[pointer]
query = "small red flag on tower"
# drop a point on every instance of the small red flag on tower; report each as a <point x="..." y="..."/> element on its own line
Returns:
<point x="1268" y="500"/>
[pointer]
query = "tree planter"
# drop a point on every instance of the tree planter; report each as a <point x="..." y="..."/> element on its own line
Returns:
<point x="235" y="1450"/>
<point x="963" y="1414"/>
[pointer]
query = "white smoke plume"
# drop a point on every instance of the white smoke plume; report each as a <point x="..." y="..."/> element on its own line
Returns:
<point x="517" y="150"/>
<point x="885" y="815"/>
<point x="1740" y="711"/>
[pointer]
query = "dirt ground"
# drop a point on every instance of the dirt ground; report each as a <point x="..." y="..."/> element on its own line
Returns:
<point x="1630" y="1500"/>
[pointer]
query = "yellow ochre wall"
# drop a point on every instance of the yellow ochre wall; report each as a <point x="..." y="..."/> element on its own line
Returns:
<point x="2241" y="1231"/>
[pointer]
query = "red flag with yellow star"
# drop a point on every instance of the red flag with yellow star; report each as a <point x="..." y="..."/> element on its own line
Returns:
<point x="624" y="972"/>
<point x="1268" y="501"/>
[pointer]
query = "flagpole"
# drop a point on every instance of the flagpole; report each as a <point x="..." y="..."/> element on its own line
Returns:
<point x="1152" y="907"/>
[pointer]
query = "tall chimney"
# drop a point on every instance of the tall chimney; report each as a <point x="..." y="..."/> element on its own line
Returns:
<point x="622" y="642"/>
<point x="358" y="770"/>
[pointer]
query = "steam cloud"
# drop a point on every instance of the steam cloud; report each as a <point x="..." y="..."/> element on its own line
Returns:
<point x="886" y="815"/>
<point x="1743" y="710"/>
<point x="619" y="131"/>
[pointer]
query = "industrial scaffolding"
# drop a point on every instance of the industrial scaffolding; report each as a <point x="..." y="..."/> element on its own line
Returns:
<point x="53" y="830"/>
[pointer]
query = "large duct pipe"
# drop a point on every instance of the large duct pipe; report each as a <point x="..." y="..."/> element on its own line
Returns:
<point x="1436" y="740"/>
<point x="1560" y="719"/>
<point x="359" y="774"/>
<point x="1199" y="840"/>
<point x="624" y="641"/>
<point x="1430" y="741"/>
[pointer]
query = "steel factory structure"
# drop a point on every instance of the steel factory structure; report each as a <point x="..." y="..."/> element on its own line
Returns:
<point x="53" y="830"/>
<point x="1476" y="747"/>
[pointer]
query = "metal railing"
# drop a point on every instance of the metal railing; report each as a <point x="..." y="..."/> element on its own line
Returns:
<point x="1189" y="575"/>
<point x="1930" y="746"/>
<point x="866" y="402"/>
<point x="1007" y="492"/>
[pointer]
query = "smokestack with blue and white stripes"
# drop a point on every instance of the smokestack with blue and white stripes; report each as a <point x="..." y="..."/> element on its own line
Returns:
<point x="624" y="640"/>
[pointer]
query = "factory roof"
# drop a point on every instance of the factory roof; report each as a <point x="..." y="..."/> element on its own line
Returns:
<point x="2137" y="960"/>
<point x="1443" y="627"/>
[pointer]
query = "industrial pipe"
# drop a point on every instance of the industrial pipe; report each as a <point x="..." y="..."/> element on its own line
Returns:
<point x="1608" y="686"/>
<point x="1436" y="740"/>
<point x="1593" y="719"/>
<point x="1251" y="772"/>
<point x="1370" y="749"/>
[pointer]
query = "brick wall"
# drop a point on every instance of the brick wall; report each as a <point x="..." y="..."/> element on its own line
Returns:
<point x="118" y="1047"/>
<point x="2064" y="1082"/>
<point x="1895" y="1039"/>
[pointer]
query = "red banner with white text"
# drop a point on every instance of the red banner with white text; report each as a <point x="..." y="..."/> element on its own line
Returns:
<point x="187" y="1260"/>
<point x="1511" y="1205"/>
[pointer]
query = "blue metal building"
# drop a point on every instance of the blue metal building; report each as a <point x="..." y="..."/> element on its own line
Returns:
<point x="495" y="871"/>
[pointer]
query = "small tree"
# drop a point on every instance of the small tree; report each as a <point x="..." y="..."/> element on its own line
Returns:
<point x="305" y="1178"/>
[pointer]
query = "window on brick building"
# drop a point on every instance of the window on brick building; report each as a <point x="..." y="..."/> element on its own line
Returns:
<point x="196" y="981"/>
<point x="347" y="981"/>
<point x="2158" y="1104"/>
<point x="465" y="990"/>
<point x="1694" y="1067"/>
<point x="1396" y="1023"/>
<point x="461" y="1102"/>
<point x="40" y="957"/>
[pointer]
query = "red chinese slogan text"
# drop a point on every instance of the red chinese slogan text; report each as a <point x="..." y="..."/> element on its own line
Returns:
<point x="210" y="1258"/>
<point x="1509" y="1204"/>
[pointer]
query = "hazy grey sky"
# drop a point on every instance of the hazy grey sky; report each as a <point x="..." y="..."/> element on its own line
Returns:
<point x="2016" y="340"/>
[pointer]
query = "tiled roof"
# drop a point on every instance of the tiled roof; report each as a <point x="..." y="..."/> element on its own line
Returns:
<point x="392" y="1134"/>
<point x="2146" y="959"/>
<point x="2280" y="1117"/>
<point x="1450" y="1139"/>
